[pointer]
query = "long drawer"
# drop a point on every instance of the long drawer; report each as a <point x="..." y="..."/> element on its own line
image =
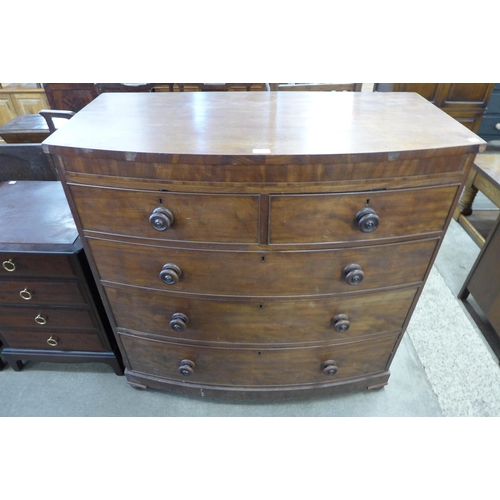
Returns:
<point x="59" y="340"/>
<point x="195" y="217"/>
<point x="259" y="366"/>
<point x="283" y="273"/>
<point x="31" y="291"/>
<point x="46" y="317"/>
<point x="260" y="321"/>
<point x="322" y="218"/>
<point x="33" y="264"/>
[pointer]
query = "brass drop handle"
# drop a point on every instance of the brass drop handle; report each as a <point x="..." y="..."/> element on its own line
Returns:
<point x="367" y="220"/>
<point x="40" y="319"/>
<point x="179" y="322"/>
<point x="52" y="341"/>
<point x="329" y="367"/>
<point x="187" y="367"/>
<point x="341" y="323"/>
<point x="170" y="274"/>
<point x="353" y="274"/>
<point x="8" y="265"/>
<point x="25" y="294"/>
<point x="161" y="219"/>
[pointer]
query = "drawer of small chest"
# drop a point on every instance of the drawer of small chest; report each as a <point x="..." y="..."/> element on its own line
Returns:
<point x="46" y="317"/>
<point x="350" y="217"/>
<point x="60" y="340"/>
<point x="34" y="264"/>
<point x="31" y="291"/>
<point x="260" y="321"/>
<point x="283" y="273"/>
<point x="169" y="216"/>
<point x="248" y="367"/>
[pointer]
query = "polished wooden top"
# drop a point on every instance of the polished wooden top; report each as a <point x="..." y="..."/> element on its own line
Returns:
<point x="35" y="213"/>
<point x="270" y="127"/>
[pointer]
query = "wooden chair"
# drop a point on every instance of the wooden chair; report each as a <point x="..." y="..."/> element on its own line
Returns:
<point x="26" y="162"/>
<point x="54" y="114"/>
<point x="324" y="87"/>
<point x="70" y="96"/>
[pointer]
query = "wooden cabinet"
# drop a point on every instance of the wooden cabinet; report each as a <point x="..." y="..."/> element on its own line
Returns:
<point x="266" y="244"/>
<point x="490" y="125"/>
<point x="15" y="101"/>
<point x="466" y="102"/>
<point x="49" y="307"/>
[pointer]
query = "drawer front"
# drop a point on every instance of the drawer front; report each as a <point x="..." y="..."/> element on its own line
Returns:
<point x="260" y="273"/>
<point x="45" y="317"/>
<point x="260" y="321"/>
<point x="60" y="340"/>
<point x="324" y="218"/>
<point x="494" y="103"/>
<point x="29" y="292"/>
<point x="196" y="217"/>
<point x="489" y="125"/>
<point x="33" y="264"/>
<point x="258" y="366"/>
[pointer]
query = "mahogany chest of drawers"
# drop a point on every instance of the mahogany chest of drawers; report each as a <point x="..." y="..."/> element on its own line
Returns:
<point x="261" y="244"/>
<point x="49" y="309"/>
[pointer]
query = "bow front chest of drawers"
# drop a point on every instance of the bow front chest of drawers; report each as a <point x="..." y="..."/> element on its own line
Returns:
<point x="261" y="244"/>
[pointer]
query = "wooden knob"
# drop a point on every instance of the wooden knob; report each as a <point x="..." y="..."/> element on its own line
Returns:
<point x="353" y="274"/>
<point x="170" y="274"/>
<point x="8" y="265"/>
<point x="341" y="323"/>
<point x="367" y="220"/>
<point x="187" y="367"/>
<point x="497" y="126"/>
<point x="25" y="294"/>
<point x="179" y="322"/>
<point x="52" y="341"/>
<point x="329" y="367"/>
<point x="161" y="219"/>
<point x="40" y="319"/>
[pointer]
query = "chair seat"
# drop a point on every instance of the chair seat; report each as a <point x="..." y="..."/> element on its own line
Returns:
<point x="25" y="129"/>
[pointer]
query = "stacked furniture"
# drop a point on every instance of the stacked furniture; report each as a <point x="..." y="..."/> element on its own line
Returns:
<point x="263" y="244"/>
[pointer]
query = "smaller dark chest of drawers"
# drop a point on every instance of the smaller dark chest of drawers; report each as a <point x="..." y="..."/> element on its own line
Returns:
<point x="49" y="309"/>
<point x="490" y="126"/>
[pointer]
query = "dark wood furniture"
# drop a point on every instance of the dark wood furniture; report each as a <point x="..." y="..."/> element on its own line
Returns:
<point x="25" y="129"/>
<point x="263" y="244"/>
<point x="70" y="96"/>
<point x="485" y="177"/>
<point x="49" y="308"/>
<point x="466" y="102"/>
<point x="490" y="125"/>
<point x="325" y="87"/>
<point x="26" y="162"/>
<point x="483" y="282"/>
<point x="214" y="87"/>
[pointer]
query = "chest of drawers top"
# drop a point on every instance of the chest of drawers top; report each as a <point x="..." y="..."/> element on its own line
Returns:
<point x="258" y="127"/>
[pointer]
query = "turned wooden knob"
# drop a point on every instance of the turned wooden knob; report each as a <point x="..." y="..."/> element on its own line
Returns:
<point x="329" y="367"/>
<point x="353" y="274"/>
<point x="170" y="274"/>
<point x="161" y="219"/>
<point x="341" y="323"/>
<point x="187" y="367"/>
<point x="367" y="220"/>
<point x="179" y="322"/>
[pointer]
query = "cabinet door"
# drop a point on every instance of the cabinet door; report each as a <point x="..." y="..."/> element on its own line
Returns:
<point x="29" y="103"/>
<point x="7" y="110"/>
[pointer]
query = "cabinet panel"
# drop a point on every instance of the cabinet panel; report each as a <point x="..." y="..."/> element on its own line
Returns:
<point x="29" y="103"/>
<point x="7" y="109"/>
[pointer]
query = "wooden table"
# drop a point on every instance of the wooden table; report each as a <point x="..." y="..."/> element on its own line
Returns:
<point x="485" y="177"/>
<point x="261" y="244"/>
<point x="25" y="129"/>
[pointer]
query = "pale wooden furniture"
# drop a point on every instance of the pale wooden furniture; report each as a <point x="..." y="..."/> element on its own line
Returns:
<point x="16" y="100"/>
<point x="484" y="177"/>
<point x="262" y="244"/>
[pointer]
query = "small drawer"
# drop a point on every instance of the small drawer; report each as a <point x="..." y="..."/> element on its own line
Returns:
<point x="60" y="340"/>
<point x="263" y="274"/>
<point x="493" y="103"/>
<point x="490" y="126"/>
<point x="30" y="292"/>
<point x="169" y="216"/>
<point x="260" y="321"/>
<point x="352" y="217"/>
<point x="258" y="367"/>
<point x="34" y="264"/>
<point x="45" y="317"/>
